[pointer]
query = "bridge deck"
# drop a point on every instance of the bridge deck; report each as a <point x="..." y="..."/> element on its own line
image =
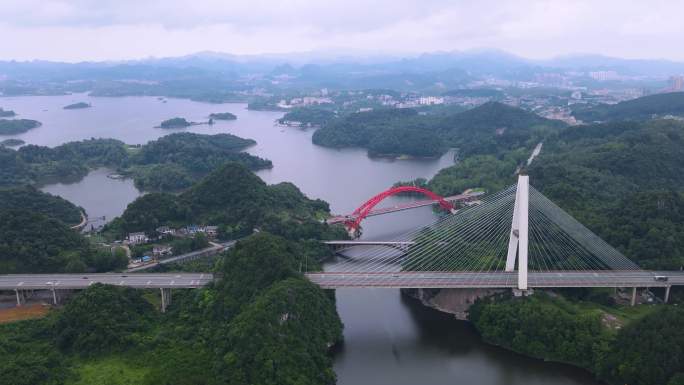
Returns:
<point x="443" y="280"/>
<point x="82" y="281"/>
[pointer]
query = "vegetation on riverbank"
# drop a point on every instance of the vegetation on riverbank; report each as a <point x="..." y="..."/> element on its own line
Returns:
<point x="32" y="199"/>
<point x="643" y="351"/>
<point x="17" y="126"/>
<point x="262" y="321"/>
<point x="32" y="242"/>
<point x="171" y="162"/>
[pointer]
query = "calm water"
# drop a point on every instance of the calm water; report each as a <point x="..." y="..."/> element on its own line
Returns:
<point x="388" y="339"/>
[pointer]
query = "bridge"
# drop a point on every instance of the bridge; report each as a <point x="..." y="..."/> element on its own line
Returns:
<point x="516" y="238"/>
<point x="353" y="221"/>
<point x="23" y="284"/>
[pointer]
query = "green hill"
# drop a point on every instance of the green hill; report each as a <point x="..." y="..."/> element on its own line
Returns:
<point x="29" y="198"/>
<point x="493" y="127"/>
<point x="647" y="107"/>
<point x="486" y="129"/>
<point x="236" y="200"/>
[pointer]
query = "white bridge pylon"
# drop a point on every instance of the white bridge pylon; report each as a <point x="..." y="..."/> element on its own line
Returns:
<point x="519" y="237"/>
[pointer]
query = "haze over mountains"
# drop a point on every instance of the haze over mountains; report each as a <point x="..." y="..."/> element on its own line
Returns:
<point x="474" y="61"/>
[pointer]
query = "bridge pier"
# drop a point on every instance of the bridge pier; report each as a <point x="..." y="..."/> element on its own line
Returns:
<point x="21" y="297"/>
<point x="667" y="294"/>
<point x="634" y="294"/>
<point x="165" y="298"/>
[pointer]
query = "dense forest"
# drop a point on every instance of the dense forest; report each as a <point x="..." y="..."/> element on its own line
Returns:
<point x="17" y="126"/>
<point x="29" y="198"/>
<point x="643" y="108"/>
<point x="647" y="351"/>
<point x="171" y="162"/>
<point x="234" y="199"/>
<point x="35" y="236"/>
<point x="32" y="242"/>
<point x="263" y="323"/>
<point x="490" y="128"/>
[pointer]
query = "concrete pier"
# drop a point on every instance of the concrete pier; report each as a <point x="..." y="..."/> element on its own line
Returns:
<point x="165" y="299"/>
<point x="634" y="294"/>
<point x="667" y="294"/>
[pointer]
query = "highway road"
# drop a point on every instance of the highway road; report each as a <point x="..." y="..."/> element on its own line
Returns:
<point x="442" y="280"/>
<point x="82" y="281"/>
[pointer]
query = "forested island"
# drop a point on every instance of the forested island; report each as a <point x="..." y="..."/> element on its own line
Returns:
<point x="17" y="126"/>
<point x="175" y="123"/>
<point x="488" y="128"/>
<point x="6" y="113"/>
<point x="12" y="142"/>
<point x="172" y="162"/>
<point x="77" y="106"/>
<point x="222" y="116"/>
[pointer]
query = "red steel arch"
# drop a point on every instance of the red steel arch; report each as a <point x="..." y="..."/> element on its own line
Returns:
<point x="360" y="213"/>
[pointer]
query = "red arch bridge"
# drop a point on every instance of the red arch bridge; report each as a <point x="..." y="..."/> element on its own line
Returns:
<point x="353" y="221"/>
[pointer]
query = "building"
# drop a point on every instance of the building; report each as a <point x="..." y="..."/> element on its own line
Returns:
<point x="677" y="83"/>
<point x="136" y="238"/>
<point x="161" y="250"/>
<point x="430" y="100"/>
<point x="603" y="75"/>
<point x="211" y="231"/>
<point x="165" y="230"/>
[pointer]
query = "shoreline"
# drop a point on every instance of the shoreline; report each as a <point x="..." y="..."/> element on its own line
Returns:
<point x="462" y="316"/>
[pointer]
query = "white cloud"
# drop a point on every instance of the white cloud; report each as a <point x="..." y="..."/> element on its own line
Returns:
<point x="122" y="29"/>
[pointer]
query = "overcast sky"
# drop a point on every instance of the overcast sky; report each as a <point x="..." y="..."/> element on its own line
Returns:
<point x="76" y="30"/>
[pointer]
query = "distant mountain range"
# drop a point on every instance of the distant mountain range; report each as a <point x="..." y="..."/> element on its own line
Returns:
<point x="478" y="62"/>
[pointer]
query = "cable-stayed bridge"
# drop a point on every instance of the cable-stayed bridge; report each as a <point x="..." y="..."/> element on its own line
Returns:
<point x="516" y="238"/>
